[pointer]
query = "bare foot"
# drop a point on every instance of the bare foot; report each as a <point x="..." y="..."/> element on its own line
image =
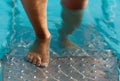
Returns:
<point x="39" y="52"/>
<point x="72" y="48"/>
<point x="66" y="43"/>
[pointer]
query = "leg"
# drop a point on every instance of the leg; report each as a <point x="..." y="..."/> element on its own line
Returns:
<point x="72" y="14"/>
<point x="39" y="52"/>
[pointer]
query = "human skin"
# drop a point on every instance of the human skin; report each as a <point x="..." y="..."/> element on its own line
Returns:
<point x="74" y="4"/>
<point x="37" y="13"/>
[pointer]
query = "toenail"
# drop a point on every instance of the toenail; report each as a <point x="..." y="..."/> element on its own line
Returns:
<point x="30" y="59"/>
<point x="38" y="64"/>
<point x="34" y="61"/>
<point x="44" y="64"/>
<point x="28" y="56"/>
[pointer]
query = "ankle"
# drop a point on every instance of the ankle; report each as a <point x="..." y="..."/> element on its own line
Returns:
<point x="74" y="4"/>
<point x="45" y="36"/>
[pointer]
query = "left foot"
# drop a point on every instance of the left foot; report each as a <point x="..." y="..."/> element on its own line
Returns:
<point x="39" y="52"/>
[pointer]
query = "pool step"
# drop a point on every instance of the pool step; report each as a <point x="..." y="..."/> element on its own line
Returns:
<point x="82" y="68"/>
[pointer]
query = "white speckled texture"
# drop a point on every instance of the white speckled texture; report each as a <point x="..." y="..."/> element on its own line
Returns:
<point x="82" y="68"/>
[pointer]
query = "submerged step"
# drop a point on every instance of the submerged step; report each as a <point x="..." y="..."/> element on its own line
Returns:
<point x="82" y="68"/>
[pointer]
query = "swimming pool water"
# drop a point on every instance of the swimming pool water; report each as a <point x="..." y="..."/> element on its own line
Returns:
<point x="105" y="19"/>
<point x="99" y="29"/>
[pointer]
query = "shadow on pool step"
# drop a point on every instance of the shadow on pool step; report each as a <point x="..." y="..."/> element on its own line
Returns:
<point x="82" y="68"/>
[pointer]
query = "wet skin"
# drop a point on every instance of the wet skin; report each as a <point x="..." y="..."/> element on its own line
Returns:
<point x="39" y="52"/>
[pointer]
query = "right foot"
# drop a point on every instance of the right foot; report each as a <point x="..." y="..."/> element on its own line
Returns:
<point x="72" y="48"/>
<point x="66" y="43"/>
<point x="39" y="52"/>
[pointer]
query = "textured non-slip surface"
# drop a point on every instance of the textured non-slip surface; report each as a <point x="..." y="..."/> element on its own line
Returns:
<point x="92" y="64"/>
<point x="82" y="68"/>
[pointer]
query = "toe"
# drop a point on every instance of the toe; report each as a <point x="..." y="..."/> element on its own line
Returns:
<point x="34" y="60"/>
<point x="30" y="57"/>
<point x="38" y="61"/>
<point x="44" y="65"/>
<point x="45" y="60"/>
